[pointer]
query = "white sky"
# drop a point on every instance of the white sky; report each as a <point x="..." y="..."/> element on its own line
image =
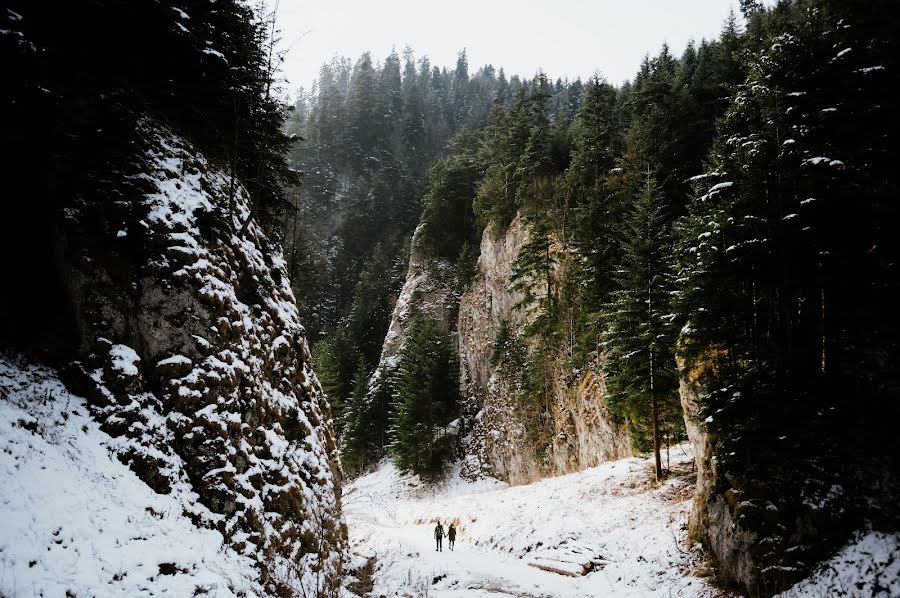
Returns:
<point x="565" y="38"/>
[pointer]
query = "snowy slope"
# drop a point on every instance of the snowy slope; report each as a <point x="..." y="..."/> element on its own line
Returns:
<point x="869" y="565"/>
<point x="192" y="355"/>
<point x="610" y="512"/>
<point x="75" y="521"/>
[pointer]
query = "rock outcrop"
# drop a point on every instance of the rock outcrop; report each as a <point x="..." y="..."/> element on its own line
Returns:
<point x="430" y="286"/>
<point x="195" y="361"/>
<point x="584" y="433"/>
<point x="711" y="521"/>
<point x="763" y="527"/>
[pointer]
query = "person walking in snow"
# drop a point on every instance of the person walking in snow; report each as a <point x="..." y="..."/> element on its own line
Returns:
<point x="438" y="535"/>
<point x="451" y="536"/>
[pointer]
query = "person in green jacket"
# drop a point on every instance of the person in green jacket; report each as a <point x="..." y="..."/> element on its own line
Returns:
<point x="438" y="535"/>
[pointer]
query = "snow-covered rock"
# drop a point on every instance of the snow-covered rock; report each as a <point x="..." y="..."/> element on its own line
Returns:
<point x="75" y="521"/>
<point x="194" y="360"/>
<point x="869" y="565"/>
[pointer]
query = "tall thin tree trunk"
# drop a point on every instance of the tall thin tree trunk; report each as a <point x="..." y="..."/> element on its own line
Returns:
<point x="294" y="240"/>
<point x="824" y="329"/>
<point x="655" y="407"/>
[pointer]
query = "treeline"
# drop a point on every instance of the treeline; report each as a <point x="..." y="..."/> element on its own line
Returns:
<point x="371" y="133"/>
<point x="599" y="174"/>
<point x="732" y="205"/>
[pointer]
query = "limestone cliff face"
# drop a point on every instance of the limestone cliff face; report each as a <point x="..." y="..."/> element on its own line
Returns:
<point x="430" y="286"/>
<point x="194" y="358"/>
<point x="764" y="528"/>
<point x="584" y="433"/>
<point x="498" y="433"/>
<point x="711" y="521"/>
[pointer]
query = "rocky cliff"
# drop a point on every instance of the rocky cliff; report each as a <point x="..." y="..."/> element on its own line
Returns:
<point x="584" y="434"/>
<point x="430" y="286"/>
<point x="764" y="526"/>
<point x="194" y="360"/>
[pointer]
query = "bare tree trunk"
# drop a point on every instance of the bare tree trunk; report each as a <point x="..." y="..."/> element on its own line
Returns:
<point x="655" y="406"/>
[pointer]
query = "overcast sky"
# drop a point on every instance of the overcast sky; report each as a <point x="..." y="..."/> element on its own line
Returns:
<point x="565" y="38"/>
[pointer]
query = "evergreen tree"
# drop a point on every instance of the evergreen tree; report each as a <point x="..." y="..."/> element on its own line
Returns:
<point x="425" y="398"/>
<point x="536" y="163"/>
<point x="641" y="336"/>
<point x="506" y="134"/>
<point x="596" y="144"/>
<point x="533" y="275"/>
<point x="356" y="436"/>
<point x="447" y="220"/>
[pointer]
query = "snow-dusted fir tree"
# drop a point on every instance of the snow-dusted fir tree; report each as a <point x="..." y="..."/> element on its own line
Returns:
<point x="641" y="337"/>
<point x="426" y="394"/>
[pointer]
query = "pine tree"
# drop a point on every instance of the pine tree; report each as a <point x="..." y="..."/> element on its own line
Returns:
<point x="447" y="219"/>
<point x="533" y="275"/>
<point x="356" y="437"/>
<point x="505" y="136"/>
<point x="536" y="162"/>
<point x="425" y="398"/>
<point x="365" y="124"/>
<point x="596" y="144"/>
<point x="641" y="337"/>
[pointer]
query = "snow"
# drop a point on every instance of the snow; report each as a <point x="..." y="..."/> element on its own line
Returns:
<point x="612" y="513"/>
<point x="215" y="53"/>
<point x="176" y="360"/>
<point x="705" y="175"/>
<point x="823" y="160"/>
<point x="76" y="521"/>
<point x="124" y="359"/>
<point x="869" y="565"/>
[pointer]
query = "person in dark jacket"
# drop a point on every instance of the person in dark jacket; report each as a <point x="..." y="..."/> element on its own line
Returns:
<point x="451" y="535"/>
<point x="438" y="535"/>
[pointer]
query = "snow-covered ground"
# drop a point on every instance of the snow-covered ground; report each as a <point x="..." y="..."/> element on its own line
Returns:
<point x="611" y="514"/>
<point x="74" y="521"/>
<point x="869" y="565"/>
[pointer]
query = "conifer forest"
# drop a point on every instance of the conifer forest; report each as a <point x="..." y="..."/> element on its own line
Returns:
<point x="632" y="336"/>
